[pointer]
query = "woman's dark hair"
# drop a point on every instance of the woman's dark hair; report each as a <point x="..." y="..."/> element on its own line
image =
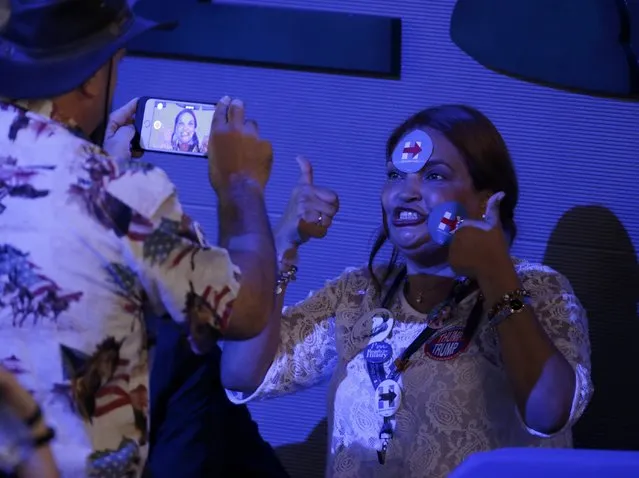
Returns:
<point x="194" y="144"/>
<point x="486" y="156"/>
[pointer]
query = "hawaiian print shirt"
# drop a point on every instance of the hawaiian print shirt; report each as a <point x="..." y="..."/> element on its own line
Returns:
<point x="453" y="400"/>
<point x="87" y="244"/>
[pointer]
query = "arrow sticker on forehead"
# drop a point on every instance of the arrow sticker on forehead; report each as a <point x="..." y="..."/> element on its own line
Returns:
<point x="412" y="151"/>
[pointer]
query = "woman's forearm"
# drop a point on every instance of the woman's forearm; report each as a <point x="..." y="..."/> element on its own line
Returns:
<point x="244" y="363"/>
<point x="542" y="380"/>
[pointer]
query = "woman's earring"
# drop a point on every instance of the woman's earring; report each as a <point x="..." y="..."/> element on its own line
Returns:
<point x="483" y="217"/>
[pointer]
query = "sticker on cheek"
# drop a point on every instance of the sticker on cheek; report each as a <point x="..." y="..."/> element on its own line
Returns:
<point x="412" y="151"/>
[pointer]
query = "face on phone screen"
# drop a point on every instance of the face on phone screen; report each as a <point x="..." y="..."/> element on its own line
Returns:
<point x="175" y="126"/>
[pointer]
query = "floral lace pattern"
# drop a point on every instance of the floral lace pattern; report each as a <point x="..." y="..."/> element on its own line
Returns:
<point x="450" y="408"/>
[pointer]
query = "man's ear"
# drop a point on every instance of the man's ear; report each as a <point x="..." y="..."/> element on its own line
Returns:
<point x="95" y="85"/>
<point x="90" y="88"/>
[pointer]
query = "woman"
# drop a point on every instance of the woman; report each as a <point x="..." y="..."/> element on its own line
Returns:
<point x="184" y="137"/>
<point x="23" y="429"/>
<point x="445" y="350"/>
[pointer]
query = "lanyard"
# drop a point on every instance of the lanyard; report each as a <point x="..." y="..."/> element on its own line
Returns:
<point x="390" y="391"/>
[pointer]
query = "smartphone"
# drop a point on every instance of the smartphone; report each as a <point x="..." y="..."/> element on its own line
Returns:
<point x="173" y="126"/>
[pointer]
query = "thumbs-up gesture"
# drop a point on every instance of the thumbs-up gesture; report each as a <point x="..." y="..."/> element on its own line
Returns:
<point x="480" y="246"/>
<point x="309" y="212"/>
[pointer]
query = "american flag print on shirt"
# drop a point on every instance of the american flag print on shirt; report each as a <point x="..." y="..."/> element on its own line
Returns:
<point x="89" y="243"/>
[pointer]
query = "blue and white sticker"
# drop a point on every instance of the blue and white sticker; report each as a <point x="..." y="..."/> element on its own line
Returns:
<point x="447" y="344"/>
<point x="444" y="220"/>
<point x="412" y="151"/>
<point x="388" y="398"/>
<point x="378" y="352"/>
<point x="373" y="326"/>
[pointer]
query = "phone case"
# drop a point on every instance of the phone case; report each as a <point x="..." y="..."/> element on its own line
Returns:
<point x="138" y="123"/>
<point x="139" y="116"/>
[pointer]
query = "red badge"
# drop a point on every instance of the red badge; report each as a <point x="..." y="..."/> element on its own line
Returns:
<point x="447" y="344"/>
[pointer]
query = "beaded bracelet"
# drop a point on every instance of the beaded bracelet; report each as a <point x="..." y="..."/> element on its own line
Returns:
<point x="44" y="438"/>
<point x="511" y="303"/>
<point x="284" y="278"/>
<point x="34" y="418"/>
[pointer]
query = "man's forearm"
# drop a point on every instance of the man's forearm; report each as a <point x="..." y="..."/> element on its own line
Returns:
<point x="244" y="231"/>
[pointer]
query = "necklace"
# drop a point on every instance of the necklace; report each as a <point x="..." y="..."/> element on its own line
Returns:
<point x="420" y="294"/>
<point x="442" y="311"/>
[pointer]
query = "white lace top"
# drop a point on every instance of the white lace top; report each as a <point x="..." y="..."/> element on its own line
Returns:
<point x="450" y="408"/>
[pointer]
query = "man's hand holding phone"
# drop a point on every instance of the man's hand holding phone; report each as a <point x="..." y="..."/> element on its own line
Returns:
<point x="235" y="150"/>
<point x="239" y="168"/>
<point x="120" y="131"/>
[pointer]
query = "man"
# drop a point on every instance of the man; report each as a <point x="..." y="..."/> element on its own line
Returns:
<point x="89" y="241"/>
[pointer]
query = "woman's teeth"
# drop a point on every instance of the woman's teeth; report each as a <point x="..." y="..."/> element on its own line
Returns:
<point x="408" y="215"/>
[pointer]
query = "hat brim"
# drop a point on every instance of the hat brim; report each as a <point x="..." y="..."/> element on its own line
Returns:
<point x="47" y="78"/>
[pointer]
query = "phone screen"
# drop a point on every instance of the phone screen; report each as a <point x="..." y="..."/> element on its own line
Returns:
<point x="178" y="127"/>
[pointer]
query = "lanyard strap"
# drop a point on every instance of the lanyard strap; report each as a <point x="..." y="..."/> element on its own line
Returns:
<point x="376" y="370"/>
<point x="377" y="374"/>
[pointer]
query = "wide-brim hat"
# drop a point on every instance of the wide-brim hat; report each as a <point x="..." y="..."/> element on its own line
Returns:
<point x="51" y="47"/>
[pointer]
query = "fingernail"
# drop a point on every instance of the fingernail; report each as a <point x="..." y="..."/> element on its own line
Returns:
<point x="226" y="100"/>
<point x="237" y="102"/>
